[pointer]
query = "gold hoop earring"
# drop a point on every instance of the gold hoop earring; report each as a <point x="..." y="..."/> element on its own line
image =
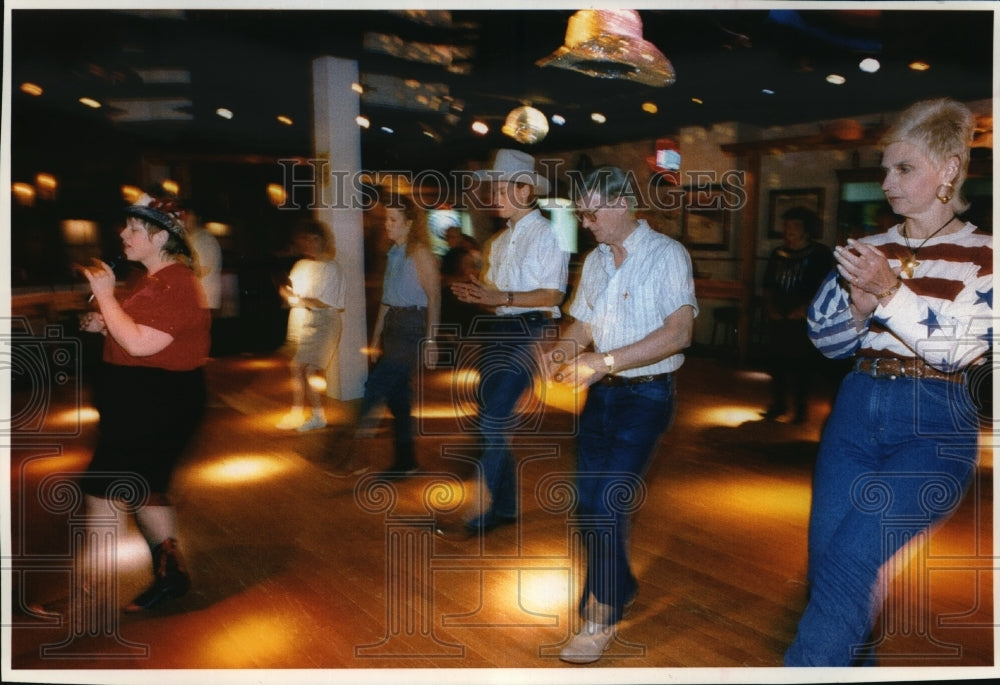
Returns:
<point x="946" y="196"/>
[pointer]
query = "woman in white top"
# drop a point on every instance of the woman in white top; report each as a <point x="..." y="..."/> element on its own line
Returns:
<point x="315" y="293"/>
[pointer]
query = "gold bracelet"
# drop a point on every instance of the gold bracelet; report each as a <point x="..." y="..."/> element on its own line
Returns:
<point x="890" y="291"/>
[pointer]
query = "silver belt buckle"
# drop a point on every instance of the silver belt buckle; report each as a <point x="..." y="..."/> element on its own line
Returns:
<point x="873" y="367"/>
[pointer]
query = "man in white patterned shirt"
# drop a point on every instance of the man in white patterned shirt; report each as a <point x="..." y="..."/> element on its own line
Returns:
<point x="633" y="316"/>
<point x="524" y="284"/>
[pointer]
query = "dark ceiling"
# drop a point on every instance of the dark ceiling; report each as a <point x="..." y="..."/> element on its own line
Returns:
<point x="257" y="64"/>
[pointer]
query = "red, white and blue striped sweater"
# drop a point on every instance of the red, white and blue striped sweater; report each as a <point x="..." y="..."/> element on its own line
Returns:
<point x="943" y="314"/>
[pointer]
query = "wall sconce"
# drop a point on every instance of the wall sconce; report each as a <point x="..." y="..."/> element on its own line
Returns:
<point x="79" y="232"/>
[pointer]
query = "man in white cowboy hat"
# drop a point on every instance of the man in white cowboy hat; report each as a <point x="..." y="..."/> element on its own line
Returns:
<point x="524" y="283"/>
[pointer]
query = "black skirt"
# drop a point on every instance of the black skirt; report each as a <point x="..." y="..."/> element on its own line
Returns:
<point x="147" y="419"/>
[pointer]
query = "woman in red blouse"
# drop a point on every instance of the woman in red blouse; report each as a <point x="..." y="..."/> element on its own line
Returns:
<point x="151" y="389"/>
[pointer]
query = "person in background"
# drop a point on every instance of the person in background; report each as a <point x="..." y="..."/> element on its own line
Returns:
<point x="794" y="272"/>
<point x="207" y="255"/>
<point x="632" y="317"/>
<point x="150" y="390"/>
<point x="408" y="315"/>
<point x="463" y="261"/>
<point x="315" y="294"/>
<point x="913" y="307"/>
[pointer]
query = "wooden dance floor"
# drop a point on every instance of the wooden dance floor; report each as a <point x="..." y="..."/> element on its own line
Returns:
<point x="295" y="569"/>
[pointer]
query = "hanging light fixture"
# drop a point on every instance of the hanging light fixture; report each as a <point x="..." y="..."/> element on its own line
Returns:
<point x="609" y="44"/>
<point x="526" y="125"/>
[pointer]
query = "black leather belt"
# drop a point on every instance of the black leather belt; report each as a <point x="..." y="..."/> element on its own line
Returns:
<point x="895" y="367"/>
<point x="620" y="381"/>
<point x="411" y="308"/>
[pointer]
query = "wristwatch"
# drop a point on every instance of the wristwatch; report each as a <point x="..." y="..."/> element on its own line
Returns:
<point x="609" y="361"/>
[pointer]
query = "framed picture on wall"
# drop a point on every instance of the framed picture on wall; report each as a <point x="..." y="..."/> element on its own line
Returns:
<point x="783" y="200"/>
<point x="706" y="219"/>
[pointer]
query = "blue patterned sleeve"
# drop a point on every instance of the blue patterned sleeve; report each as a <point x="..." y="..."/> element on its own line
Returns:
<point x="831" y="324"/>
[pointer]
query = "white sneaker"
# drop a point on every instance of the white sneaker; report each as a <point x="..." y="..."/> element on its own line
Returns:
<point x="314" y="422"/>
<point x="292" y="419"/>
<point x="589" y="644"/>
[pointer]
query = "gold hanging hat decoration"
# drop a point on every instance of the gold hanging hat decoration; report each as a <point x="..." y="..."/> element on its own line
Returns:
<point x="609" y="44"/>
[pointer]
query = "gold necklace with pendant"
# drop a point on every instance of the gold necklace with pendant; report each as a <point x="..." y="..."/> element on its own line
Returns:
<point x="910" y="263"/>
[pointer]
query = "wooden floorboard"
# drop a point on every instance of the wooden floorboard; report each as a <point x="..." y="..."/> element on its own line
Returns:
<point x="290" y="564"/>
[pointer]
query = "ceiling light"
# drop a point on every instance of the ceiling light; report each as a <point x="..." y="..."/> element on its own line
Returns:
<point x="31" y="89"/>
<point x="869" y="65"/>
<point x="526" y="125"/>
<point x="276" y="194"/>
<point x="24" y="193"/>
<point x="171" y="187"/>
<point x="131" y="194"/>
<point x="609" y="44"/>
<point x="558" y="119"/>
<point x="598" y="117"/>
<point x="767" y="91"/>
<point x="698" y="101"/>
<point x="362" y="121"/>
<point x="919" y="66"/>
<point x="480" y="128"/>
<point x="357" y="88"/>
<point x="386" y="129"/>
<point x="650" y="107"/>
<point x="286" y="120"/>
<point x="90" y="102"/>
<point x="836" y="79"/>
<point x="218" y="229"/>
<point x="224" y="113"/>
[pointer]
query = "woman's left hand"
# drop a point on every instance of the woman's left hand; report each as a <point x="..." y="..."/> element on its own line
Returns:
<point x="100" y="276"/>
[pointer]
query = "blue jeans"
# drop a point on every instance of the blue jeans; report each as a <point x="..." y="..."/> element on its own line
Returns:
<point x="895" y="458"/>
<point x="390" y="380"/>
<point x="507" y="365"/>
<point x="619" y="430"/>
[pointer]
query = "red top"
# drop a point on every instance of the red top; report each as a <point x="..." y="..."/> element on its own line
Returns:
<point x="172" y="301"/>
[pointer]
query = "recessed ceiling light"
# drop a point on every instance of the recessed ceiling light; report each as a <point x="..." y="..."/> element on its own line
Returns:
<point x="224" y="113"/>
<point x="90" y="102"/>
<point x="697" y="101"/>
<point x="357" y="88"/>
<point x="480" y="127"/>
<point x="558" y="119"/>
<point x="286" y="120"/>
<point x="836" y="79"/>
<point x="598" y="117"/>
<point x="869" y="65"/>
<point x="919" y="66"/>
<point x="361" y="121"/>
<point x="650" y="107"/>
<point x="386" y="129"/>
<point x="31" y="89"/>
<point x="767" y="91"/>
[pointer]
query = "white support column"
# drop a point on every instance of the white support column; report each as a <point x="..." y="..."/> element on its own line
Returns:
<point x="337" y="140"/>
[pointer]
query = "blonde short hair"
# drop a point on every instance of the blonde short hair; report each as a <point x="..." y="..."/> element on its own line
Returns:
<point x="942" y="128"/>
